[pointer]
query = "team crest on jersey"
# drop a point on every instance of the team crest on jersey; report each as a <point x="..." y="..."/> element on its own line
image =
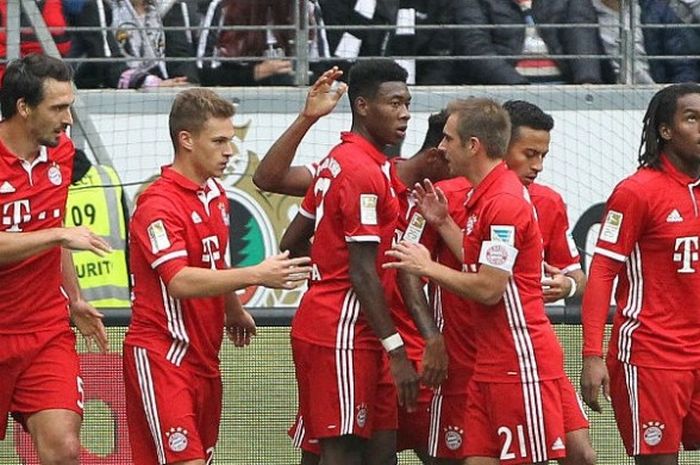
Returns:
<point x="158" y="236"/>
<point x="177" y="439"/>
<point x="453" y="437"/>
<point x="54" y="174"/>
<point x="610" y="230"/>
<point x="503" y="233"/>
<point x="368" y="209"/>
<point x="415" y="228"/>
<point x="653" y="432"/>
<point x="361" y="417"/>
<point x="471" y="222"/>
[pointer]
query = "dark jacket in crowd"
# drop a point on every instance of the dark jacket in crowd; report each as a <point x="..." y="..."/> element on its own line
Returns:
<point x="673" y="41"/>
<point x="437" y="42"/>
<point x="561" y="41"/>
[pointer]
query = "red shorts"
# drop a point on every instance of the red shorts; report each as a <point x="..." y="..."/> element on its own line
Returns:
<point x="172" y="414"/>
<point x="413" y="426"/>
<point x="448" y="420"/>
<point x="514" y="422"/>
<point x="40" y="371"/>
<point x="343" y="391"/>
<point x="575" y="417"/>
<point x="655" y="409"/>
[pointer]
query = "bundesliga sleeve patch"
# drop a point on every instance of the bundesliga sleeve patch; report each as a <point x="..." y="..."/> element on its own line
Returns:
<point x="503" y="233"/>
<point x="158" y="236"/>
<point x="498" y="255"/>
<point x="368" y="209"/>
<point x="610" y="231"/>
<point x="415" y="228"/>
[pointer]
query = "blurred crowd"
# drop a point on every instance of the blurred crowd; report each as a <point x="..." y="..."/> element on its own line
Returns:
<point x="157" y="43"/>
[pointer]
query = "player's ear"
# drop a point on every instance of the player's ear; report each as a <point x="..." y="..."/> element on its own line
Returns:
<point x="665" y="131"/>
<point x="184" y="139"/>
<point x="23" y="108"/>
<point x="360" y="105"/>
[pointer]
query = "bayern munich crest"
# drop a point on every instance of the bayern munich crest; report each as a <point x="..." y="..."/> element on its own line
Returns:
<point x="453" y="437"/>
<point x="177" y="439"/>
<point x="653" y="432"/>
<point x="361" y="417"/>
<point x="55" y="176"/>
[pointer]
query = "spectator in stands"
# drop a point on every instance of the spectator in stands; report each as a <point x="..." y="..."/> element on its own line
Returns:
<point x="609" y="19"/>
<point x="54" y="16"/>
<point x="532" y="40"/>
<point x="274" y="44"/>
<point x="437" y="42"/>
<point x="672" y="41"/>
<point x="140" y="33"/>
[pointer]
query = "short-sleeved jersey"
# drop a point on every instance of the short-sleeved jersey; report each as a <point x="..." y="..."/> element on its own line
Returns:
<point x="514" y="340"/>
<point x="33" y="197"/>
<point x="351" y="200"/>
<point x="412" y="227"/>
<point x="452" y="313"/>
<point x="178" y="224"/>
<point x="652" y="225"/>
<point x="559" y="247"/>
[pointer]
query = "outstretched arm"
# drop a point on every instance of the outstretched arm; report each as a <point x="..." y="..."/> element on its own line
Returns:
<point x="274" y="173"/>
<point x="15" y="247"/>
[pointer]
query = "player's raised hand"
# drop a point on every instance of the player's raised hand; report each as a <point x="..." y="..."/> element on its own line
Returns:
<point x="282" y="272"/>
<point x="81" y="238"/>
<point x="594" y="375"/>
<point x="405" y="378"/>
<point x="322" y="97"/>
<point x="431" y="202"/>
<point x="434" y="361"/>
<point x="410" y="257"/>
<point x="89" y="322"/>
<point x="240" y="328"/>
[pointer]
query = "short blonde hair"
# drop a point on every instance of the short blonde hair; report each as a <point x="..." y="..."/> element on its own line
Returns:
<point x="193" y="107"/>
<point x="484" y="119"/>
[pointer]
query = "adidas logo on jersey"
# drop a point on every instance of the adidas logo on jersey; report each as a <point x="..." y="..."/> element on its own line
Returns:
<point x="674" y="217"/>
<point x="558" y="444"/>
<point x="7" y="188"/>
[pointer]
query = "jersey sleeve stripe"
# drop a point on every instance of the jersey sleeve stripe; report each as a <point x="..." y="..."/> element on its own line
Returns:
<point x="609" y="254"/>
<point x="362" y="239"/>
<point x="570" y="268"/>
<point x="168" y="257"/>
<point x="306" y="214"/>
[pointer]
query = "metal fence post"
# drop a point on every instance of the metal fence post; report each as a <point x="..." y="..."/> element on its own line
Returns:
<point x="13" y="25"/>
<point x="301" y="42"/>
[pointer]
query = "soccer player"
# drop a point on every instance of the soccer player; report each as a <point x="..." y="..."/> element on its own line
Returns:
<point x="649" y="241"/>
<point x="343" y="321"/>
<point x="529" y="145"/>
<point x="514" y="408"/>
<point x="184" y="290"/>
<point x="41" y="383"/>
<point x="424" y="344"/>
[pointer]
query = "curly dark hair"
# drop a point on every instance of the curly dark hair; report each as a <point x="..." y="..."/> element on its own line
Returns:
<point x="661" y="109"/>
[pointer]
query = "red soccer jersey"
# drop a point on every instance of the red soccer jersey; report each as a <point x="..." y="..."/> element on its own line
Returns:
<point x="514" y="340"/>
<point x="451" y="311"/>
<point x="33" y="197"/>
<point x="412" y="227"/>
<point x="176" y="224"/>
<point x="352" y="200"/>
<point x="651" y="228"/>
<point x="559" y="247"/>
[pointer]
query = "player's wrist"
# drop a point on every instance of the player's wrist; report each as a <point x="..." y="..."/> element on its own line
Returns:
<point x="392" y="343"/>
<point x="573" y="287"/>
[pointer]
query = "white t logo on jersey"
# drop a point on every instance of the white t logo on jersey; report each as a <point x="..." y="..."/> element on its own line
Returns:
<point x="686" y="252"/>
<point x="210" y="251"/>
<point x="15" y="213"/>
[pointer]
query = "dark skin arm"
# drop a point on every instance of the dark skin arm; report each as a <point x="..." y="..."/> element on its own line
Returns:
<point x="275" y="173"/>
<point x="297" y="237"/>
<point x="366" y="284"/>
<point x="434" y="364"/>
